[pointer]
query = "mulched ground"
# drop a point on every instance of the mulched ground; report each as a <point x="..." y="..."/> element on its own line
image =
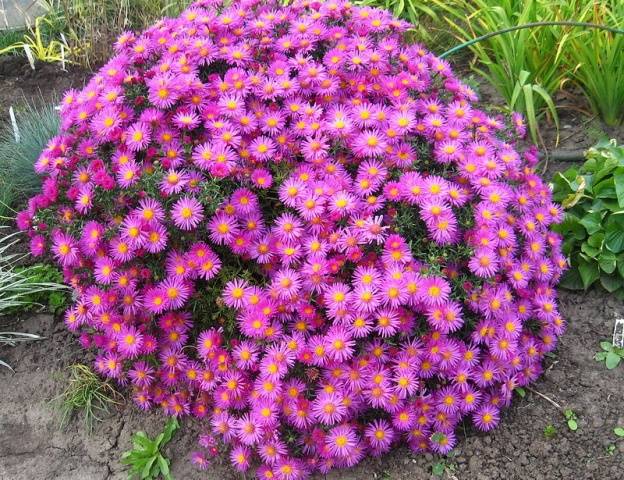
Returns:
<point x="32" y="447"/>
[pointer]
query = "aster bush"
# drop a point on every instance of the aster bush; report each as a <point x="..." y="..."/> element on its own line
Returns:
<point x="292" y="224"/>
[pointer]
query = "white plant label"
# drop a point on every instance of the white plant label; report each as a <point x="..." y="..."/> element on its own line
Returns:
<point x="618" y="333"/>
<point x="16" y="132"/>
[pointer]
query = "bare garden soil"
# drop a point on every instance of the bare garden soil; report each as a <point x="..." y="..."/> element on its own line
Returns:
<point x="33" y="447"/>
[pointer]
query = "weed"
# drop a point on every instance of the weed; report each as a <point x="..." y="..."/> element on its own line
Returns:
<point x="571" y="419"/>
<point x="550" y="431"/>
<point x="619" y="431"/>
<point x="146" y="459"/>
<point x="610" y="355"/>
<point x="86" y="392"/>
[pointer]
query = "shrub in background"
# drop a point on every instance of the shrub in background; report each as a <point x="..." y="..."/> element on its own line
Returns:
<point x="593" y="196"/>
<point x="293" y="225"/>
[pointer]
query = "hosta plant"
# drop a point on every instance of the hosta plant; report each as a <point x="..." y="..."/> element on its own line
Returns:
<point x="593" y="197"/>
<point x="287" y="222"/>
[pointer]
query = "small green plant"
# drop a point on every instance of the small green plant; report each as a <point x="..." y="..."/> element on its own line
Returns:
<point x="88" y="393"/>
<point x="593" y="227"/>
<point x="619" y="432"/>
<point x="610" y="355"/>
<point x="550" y="431"/>
<point x="610" y="449"/>
<point x="520" y="391"/>
<point x="571" y="419"/>
<point x="146" y="459"/>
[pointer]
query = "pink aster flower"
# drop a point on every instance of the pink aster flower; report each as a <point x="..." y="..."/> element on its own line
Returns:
<point x="187" y="213"/>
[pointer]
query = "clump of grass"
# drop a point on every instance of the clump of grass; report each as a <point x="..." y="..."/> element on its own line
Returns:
<point x="86" y="393"/>
<point x="91" y="26"/>
<point x="595" y="59"/>
<point x="36" y="125"/>
<point x="8" y="38"/>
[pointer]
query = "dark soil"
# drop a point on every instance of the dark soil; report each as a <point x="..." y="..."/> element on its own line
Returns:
<point x="32" y="447"/>
<point x="20" y="83"/>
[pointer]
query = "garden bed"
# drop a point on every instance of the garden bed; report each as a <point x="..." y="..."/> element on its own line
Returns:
<point x="32" y="446"/>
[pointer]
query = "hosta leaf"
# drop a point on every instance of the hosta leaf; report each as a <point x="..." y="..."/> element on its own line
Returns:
<point x="605" y="189"/>
<point x="590" y="251"/>
<point x="614" y="230"/>
<point x="618" y="179"/>
<point x="607" y="262"/>
<point x="611" y="282"/>
<point x="572" y="280"/>
<point x="588" y="271"/>
<point x="596" y="240"/>
<point x="592" y="222"/>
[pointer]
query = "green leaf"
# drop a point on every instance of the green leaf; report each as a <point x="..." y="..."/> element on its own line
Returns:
<point x="606" y="346"/>
<point x="618" y="179"/>
<point x="596" y="240"/>
<point x="619" y="431"/>
<point x="163" y="464"/>
<point x="588" y="271"/>
<point x="611" y="283"/>
<point x="607" y="262"/>
<point x="605" y="189"/>
<point x="590" y="251"/>
<point x="574" y="198"/>
<point x="571" y="280"/>
<point x="521" y="392"/>
<point x="592" y="222"/>
<point x="572" y="425"/>
<point x="614" y="233"/>
<point x="612" y="360"/>
<point x="146" y="471"/>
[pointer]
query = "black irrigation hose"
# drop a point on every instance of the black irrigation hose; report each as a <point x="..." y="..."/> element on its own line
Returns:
<point x="564" y="155"/>
<point x="529" y="25"/>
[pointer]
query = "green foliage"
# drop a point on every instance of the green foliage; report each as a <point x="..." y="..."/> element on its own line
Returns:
<point x="593" y="228"/>
<point x="619" y="431"/>
<point x="52" y="300"/>
<point x="18" y="285"/>
<point x="9" y="38"/>
<point x="571" y="419"/>
<point x="550" y="431"/>
<point x="91" y="26"/>
<point x="610" y="355"/>
<point x="523" y="66"/>
<point x="85" y="392"/>
<point x="595" y="60"/>
<point x="37" y="45"/>
<point x="146" y="459"/>
<point x="36" y="125"/>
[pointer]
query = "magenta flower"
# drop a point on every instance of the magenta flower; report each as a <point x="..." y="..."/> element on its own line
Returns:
<point x="187" y="213"/>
